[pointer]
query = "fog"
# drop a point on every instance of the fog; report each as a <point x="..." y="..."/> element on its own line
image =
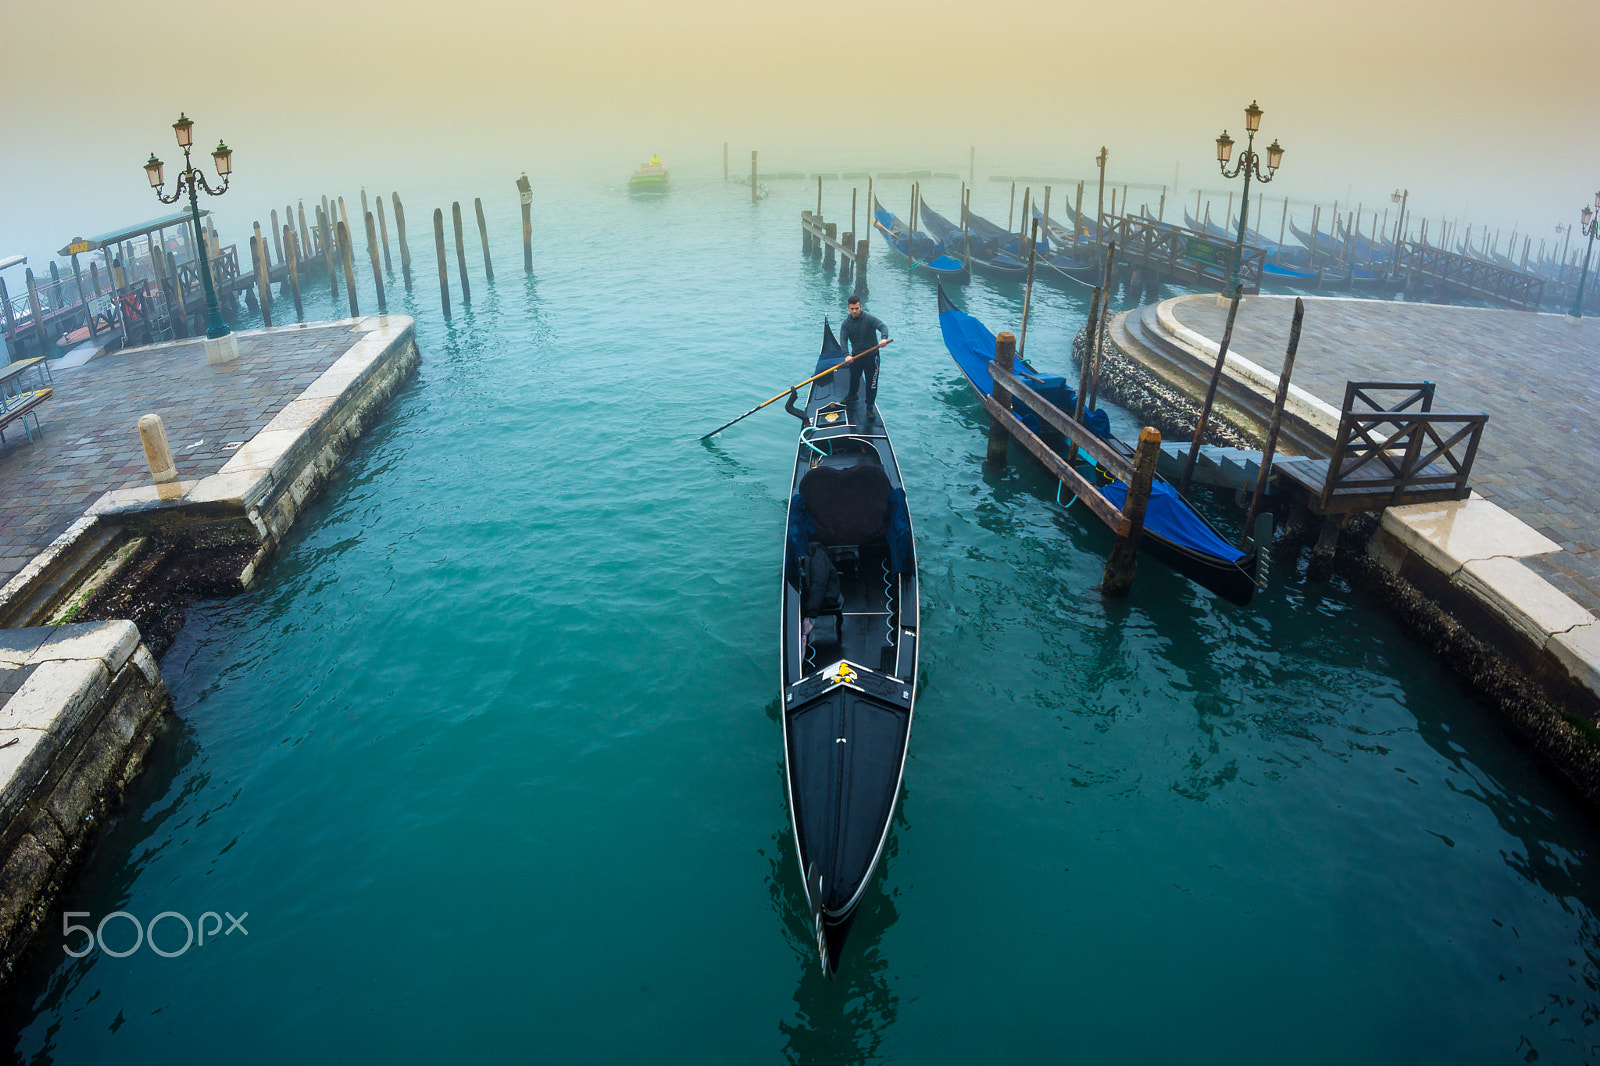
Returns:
<point x="1484" y="111"/>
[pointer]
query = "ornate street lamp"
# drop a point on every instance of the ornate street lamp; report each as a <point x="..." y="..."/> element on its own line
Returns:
<point x="193" y="180"/>
<point x="1248" y="161"/>
<point x="1399" y="196"/>
<point x="1589" y="226"/>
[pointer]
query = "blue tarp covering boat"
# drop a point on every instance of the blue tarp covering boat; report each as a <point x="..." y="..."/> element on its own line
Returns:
<point x="1174" y="532"/>
<point x="930" y="254"/>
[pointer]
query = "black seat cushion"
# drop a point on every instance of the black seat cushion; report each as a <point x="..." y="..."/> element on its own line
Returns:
<point x="848" y="502"/>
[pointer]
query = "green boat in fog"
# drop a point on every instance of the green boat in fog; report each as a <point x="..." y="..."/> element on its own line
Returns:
<point x="649" y="178"/>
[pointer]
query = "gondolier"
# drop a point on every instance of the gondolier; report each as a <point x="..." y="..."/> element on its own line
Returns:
<point x="860" y="332"/>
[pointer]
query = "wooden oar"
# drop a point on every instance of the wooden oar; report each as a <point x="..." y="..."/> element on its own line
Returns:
<point x="794" y="388"/>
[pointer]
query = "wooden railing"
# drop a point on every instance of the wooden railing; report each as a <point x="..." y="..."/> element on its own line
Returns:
<point x="1182" y="254"/>
<point x="1472" y="277"/>
<point x="1402" y="451"/>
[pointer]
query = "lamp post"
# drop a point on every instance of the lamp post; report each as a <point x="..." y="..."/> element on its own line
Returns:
<point x="1590" y="227"/>
<point x="1248" y="161"/>
<point x="1399" y="196"/>
<point x="193" y="180"/>
<point x="1100" y="205"/>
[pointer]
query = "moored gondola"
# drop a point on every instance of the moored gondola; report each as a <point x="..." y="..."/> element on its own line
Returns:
<point x="928" y="256"/>
<point x="1174" y="532"/>
<point x="848" y="663"/>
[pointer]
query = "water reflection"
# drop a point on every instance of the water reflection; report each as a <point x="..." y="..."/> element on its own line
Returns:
<point x="843" y="1020"/>
<point x="117" y="855"/>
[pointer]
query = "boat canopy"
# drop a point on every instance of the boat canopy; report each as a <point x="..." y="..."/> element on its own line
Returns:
<point x="117" y="236"/>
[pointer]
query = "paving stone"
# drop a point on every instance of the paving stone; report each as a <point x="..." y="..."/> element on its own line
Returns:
<point x="90" y="443"/>
<point x="1533" y="374"/>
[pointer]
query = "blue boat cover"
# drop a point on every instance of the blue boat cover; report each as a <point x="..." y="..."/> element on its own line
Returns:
<point x="1285" y="272"/>
<point x="1167" y="515"/>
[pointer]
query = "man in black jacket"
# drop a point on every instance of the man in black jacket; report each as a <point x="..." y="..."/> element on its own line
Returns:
<point x="860" y="332"/>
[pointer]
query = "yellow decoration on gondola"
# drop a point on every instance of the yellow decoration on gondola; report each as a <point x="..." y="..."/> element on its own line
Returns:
<point x="844" y="674"/>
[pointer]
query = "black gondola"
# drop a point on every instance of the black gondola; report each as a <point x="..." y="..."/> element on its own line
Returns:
<point x="848" y="664"/>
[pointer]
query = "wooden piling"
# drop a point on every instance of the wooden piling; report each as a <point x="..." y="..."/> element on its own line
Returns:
<point x="1011" y="212"/>
<point x="263" y="287"/>
<point x="383" y="235"/>
<point x="1277" y="415"/>
<point x="444" y="271"/>
<point x="349" y="266"/>
<point x="861" y="270"/>
<point x="1086" y="361"/>
<point x="180" y="309"/>
<point x="1005" y="352"/>
<point x="6" y="317"/>
<point x="1211" y="393"/>
<point x="871" y="207"/>
<point x="483" y="235"/>
<point x="55" y="287"/>
<point x="306" y="247"/>
<point x="752" y="176"/>
<point x="1077" y="216"/>
<point x="39" y="331"/>
<point x="365" y="210"/>
<point x="292" y="261"/>
<point x="819" y="194"/>
<point x="329" y="235"/>
<point x="830" y="232"/>
<point x="256" y="228"/>
<point x="525" y="194"/>
<point x="277" y="239"/>
<point x="1117" y="579"/>
<point x="400" y="234"/>
<point x="1027" y="289"/>
<point x="377" y="274"/>
<point x="94" y="276"/>
<point x="461" y="252"/>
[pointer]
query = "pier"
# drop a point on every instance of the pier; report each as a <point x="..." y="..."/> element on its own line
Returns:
<point x="1517" y="561"/>
<point x="109" y="529"/>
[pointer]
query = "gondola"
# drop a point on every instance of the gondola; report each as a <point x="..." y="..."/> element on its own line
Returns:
<point x="977" y="251"/>
<point x="1174" y="532"/>
<point x="848" y="664"/>
<point x="929" y="255"/>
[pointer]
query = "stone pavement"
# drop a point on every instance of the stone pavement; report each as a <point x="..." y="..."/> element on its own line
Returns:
<point x="1537" y="377"/>
<point x="90" y="443"/>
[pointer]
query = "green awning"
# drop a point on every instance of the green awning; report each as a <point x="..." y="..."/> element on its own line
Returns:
<point x="94" y="244"/>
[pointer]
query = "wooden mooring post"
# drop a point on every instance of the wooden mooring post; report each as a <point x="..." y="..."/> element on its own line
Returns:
<point x="372" y="251"/>
<point x="325" y="231"/>
<point x="483" y="235"/>
<point x="525" y="194"/>
<point x="461" y="252"/>
<point x="1117" y="579"/>
<point x="383" y="233"/>
<point x="293" y="260"/>
<point x="1278" y="403"/>
<point x="400" y="234"/>
<point x="752" y="176"/>
<point x="1005" y="354"/>
<point x="40" y="334"/>
<point x="444" y="270"/>
<point x="277" y="239"/>
<point x="179" y="310"/>
<point x="1211" y="393"/>
<point x="349" y="267"/>
<point x="306" y="248"/>
<point x="263" y="288"/>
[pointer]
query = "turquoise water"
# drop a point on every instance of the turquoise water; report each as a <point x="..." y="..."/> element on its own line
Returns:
<point x="491" y="757"/>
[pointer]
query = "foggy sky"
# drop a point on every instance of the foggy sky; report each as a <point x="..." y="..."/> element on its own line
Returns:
<point x="1483" y="110"/>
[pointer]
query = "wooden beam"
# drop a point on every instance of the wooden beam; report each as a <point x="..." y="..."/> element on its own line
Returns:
<point x="1102" y="508"/>
<point x="1074" y="431"/>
